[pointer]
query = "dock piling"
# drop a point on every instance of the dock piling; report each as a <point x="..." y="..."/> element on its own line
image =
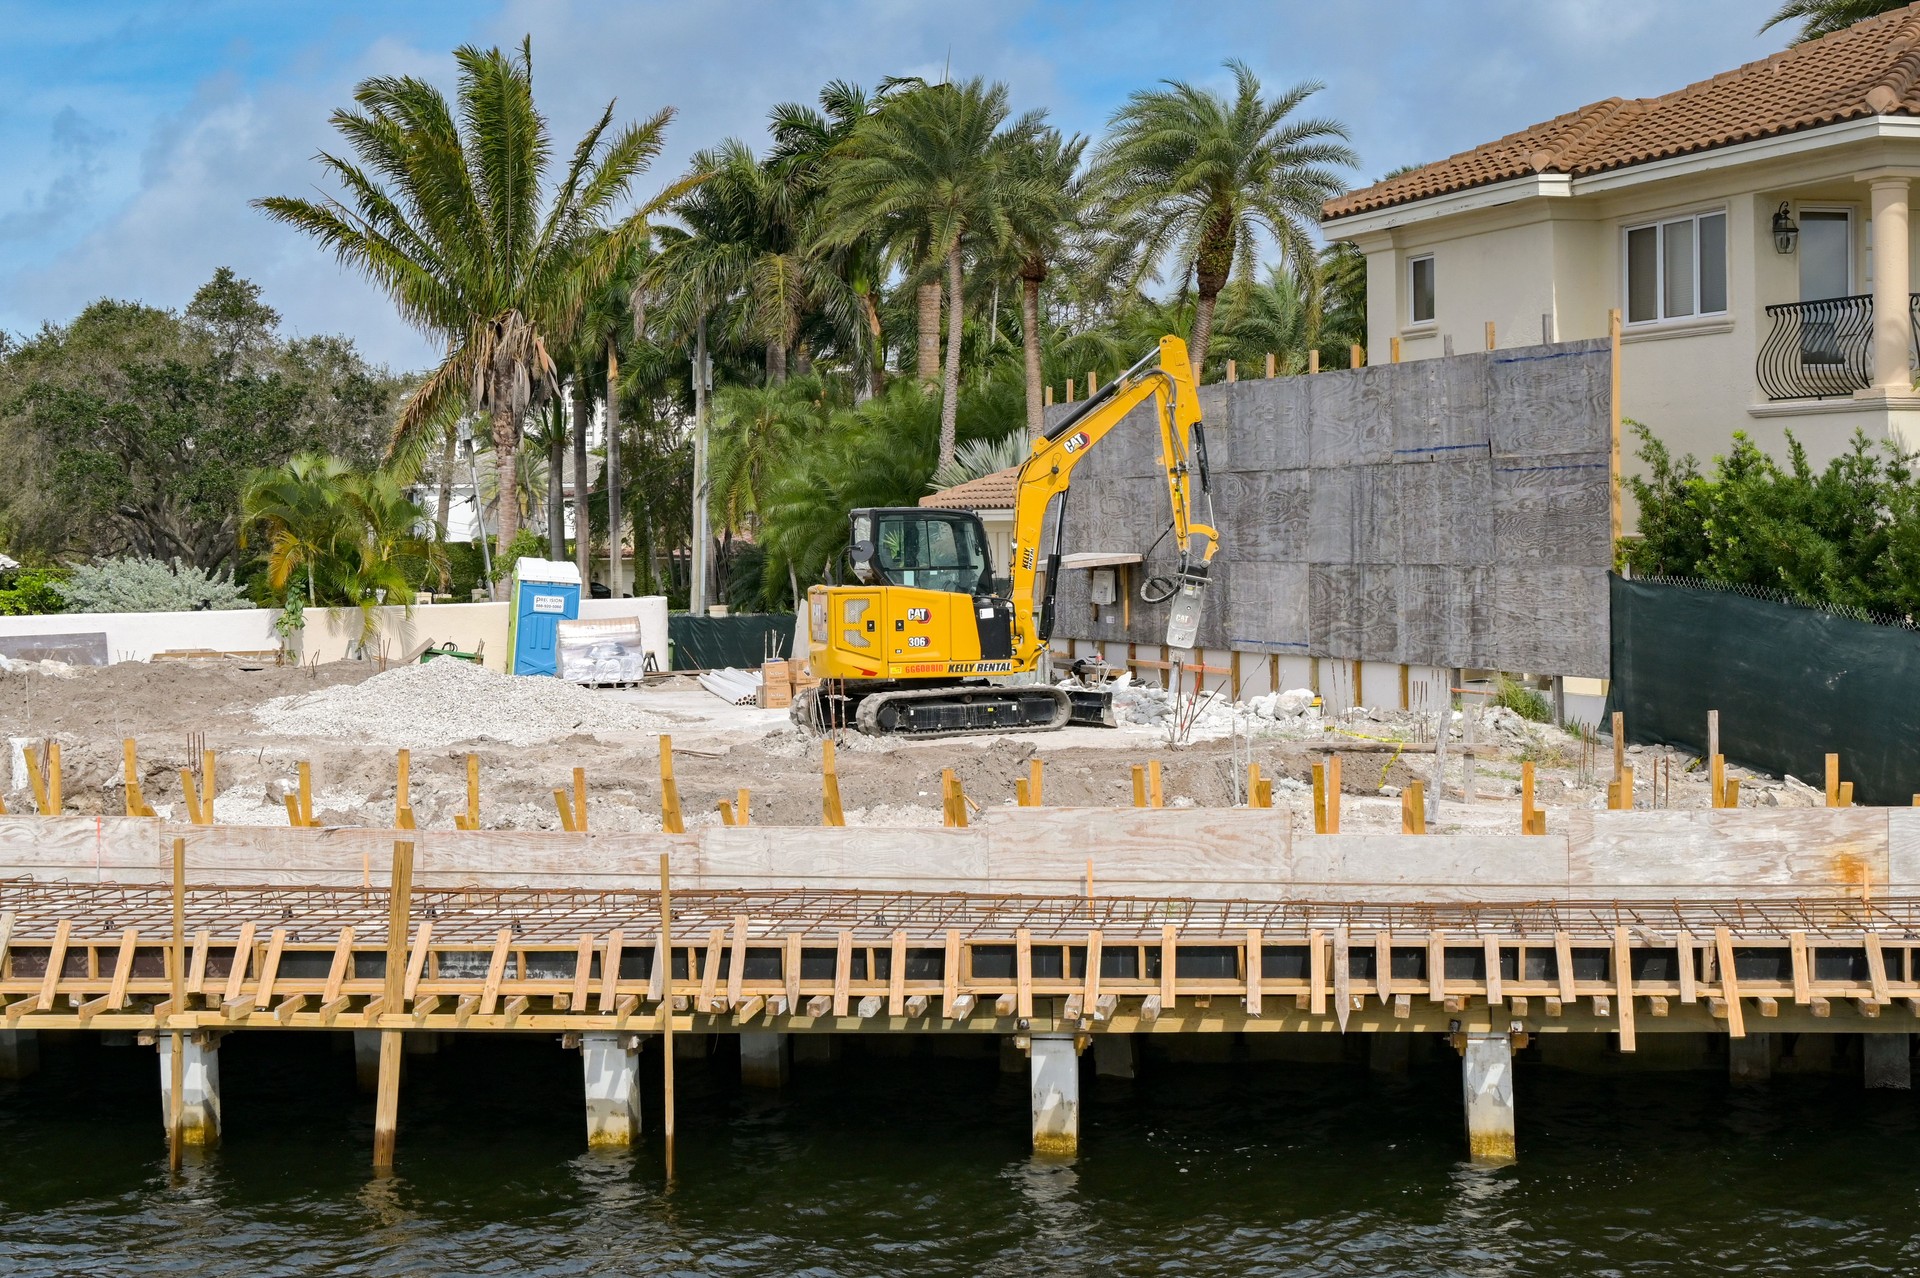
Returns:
<point x="1889" y="1062"/>
<point x="19" y="1053"/>
<point x="764" y="1059"/>
<point x="1750" y="1058"/>
<point x="1113" y="1056"/>
<point x="1054" y="1073"/>
<point x="611" y="1061"/>
<point x="1487" y="1072"/>
<point x="199" y="1087"/>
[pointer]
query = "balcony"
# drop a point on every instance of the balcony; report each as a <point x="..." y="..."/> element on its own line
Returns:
<point x="1824" y="349"/>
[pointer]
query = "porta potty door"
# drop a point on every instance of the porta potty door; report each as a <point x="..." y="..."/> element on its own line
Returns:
<point x="544" y="594"/>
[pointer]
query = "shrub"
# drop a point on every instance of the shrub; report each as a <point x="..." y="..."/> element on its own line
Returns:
<point x="148" y="585"/>
<point x="29" y="592"/>
<point x="1522" y="700"/>
<point x="526" y="544"/>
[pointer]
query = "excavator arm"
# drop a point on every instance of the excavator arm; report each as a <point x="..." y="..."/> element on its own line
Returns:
<point x="1048" y="471"/>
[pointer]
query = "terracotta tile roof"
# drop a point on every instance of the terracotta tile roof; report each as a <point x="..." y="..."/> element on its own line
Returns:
<point x="989" y="492"/>
<point x="1871" y="68"/>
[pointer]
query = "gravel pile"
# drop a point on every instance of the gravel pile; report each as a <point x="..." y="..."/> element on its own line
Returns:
<point x="445" y="701"/>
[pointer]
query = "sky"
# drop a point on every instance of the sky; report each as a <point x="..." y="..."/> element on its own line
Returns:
<point x="135" y="134"/>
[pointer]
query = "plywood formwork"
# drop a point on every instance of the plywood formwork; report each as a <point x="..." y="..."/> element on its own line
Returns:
<point x="1449" y="512"/>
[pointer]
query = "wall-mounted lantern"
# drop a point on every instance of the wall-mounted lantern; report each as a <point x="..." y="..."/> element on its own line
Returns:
<point x="1785" y="230"/>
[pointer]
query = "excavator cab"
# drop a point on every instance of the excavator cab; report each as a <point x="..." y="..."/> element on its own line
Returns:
<point x="944" y="550"/>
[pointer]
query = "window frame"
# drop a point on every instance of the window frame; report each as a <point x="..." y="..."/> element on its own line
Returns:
<point x="1414" y="319"/>
<point x="1658" y="224"/>
<point x="1859" y="260"/>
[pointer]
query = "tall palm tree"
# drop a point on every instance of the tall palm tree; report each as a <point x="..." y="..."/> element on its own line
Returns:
<point x="1042" y="202"/>
<point x="452" y="215"/>
<point x="1824" y="17"/>
<point x="929" y="171"/>
<point x="1190" y="177"/>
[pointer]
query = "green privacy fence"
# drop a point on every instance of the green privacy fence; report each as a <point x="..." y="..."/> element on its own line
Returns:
<point x="711" y="643"/>
<point x="1791" y="683"/>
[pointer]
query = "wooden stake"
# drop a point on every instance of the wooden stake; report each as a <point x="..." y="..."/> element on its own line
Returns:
<point x="1049" y="397"/>
<point x="580" y="791"/>
<point x="742" y="806"/>
<point x="471" y="820"/>
<point x="1489" y="334"/>
<point x="55" y="799"/>
<point x="1269" y="363"/>
<point x="1156" y="798"/>
<point x="1320" y="798"/>
<point x="1833" y="780"/>
<point x="1069" y="390"/>
<point x="306" y="794"/>
<point x="189" y="799"/>
<point x="1532" y="820"/>
<point x="1413" y="809"/>
<point x="38" y="780"/>
<point x="1393" y="347"/>
<point x="1355" y="356"/>
<point x="136" y="802"/>
<point x="1034" y="782"/>
<point x="830" y="810"/>
<point x="1093" y="384"/>
<point x="1233" y="373"/>
<point x="1139" y="786"/>
<point x="208" y="787"/>
<point x="1333" y="794"/>
<point x="1313" y="360"/>
<point x="565" y="807"/>
<point x="176" y="1104"/>
<point x="387" y="1094"/>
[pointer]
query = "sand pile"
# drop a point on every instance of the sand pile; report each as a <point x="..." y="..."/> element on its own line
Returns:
<point x="445" y="701"/>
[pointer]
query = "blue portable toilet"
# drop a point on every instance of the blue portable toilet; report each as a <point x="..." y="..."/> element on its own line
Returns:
<point x="545" y="593"/>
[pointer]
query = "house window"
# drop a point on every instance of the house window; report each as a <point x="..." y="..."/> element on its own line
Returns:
<point x="1420" y="289"/>
<point x="1677" y="268"/>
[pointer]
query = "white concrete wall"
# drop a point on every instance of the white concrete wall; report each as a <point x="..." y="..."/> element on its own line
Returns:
<point x="330" y="634"/>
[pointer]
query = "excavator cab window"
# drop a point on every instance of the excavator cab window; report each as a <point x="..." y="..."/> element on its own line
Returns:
<point x="931" y="550"/>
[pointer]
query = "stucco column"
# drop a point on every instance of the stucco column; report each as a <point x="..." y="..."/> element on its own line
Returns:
<point x="1892" y="322"/>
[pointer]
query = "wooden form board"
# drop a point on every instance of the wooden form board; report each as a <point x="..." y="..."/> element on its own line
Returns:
<point x="1204" y="853"/>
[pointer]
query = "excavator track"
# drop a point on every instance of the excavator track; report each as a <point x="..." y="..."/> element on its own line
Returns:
<point x="960" y="710"/>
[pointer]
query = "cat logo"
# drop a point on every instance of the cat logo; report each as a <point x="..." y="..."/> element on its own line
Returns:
<point x="918" y="614"/>
<point x="1075" y="442"/>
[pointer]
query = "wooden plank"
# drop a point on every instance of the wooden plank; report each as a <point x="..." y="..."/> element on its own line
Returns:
<point x="340" y="966"/>
<point x="197" y="969"/>
<point x="610" y="970"/>
<point x="122" y="969"/>
<point x="1169" y="964"/>
<point x="1563" y="964"/>
<point x="1023" y="973"/>
<point x="1686" y="953"/>
<point x="1877" y="970"/>
<point x="1623" y="986"/>
<point x="737" y="961"/>
<point x="242" y="958"/>
<point x="790" y="965"/>
<point x="496" y="971"/>
<point x="710" y="971"/>
<point x="1090" y="991"/>
<point x="842" y="972"/>
<point x="1495" y="994"/>
<point x="416" y="962"/>
<point x="1781" y="852"/>
<point x="1317" y="973"/>
<point x="897" y="975"/>
<point x="270" y="966"/>
<point x="1436" y="967"/>
<point x="1383" y="965"/>
<point x="582" y="972"/>
<point x="1255" y="956"/>
<point x="950" y="972"/>
<point x="1802" y="968"/>
<point x="1729" y="982"/>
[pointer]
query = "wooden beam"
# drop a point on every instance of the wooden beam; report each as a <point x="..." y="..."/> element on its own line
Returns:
<point x="1623" y="986"/>
<point x="1729" y="982"/>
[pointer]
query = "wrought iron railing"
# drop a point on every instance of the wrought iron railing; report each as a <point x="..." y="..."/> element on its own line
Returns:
<point x="1824" y="349"/>
<point x="1817" y="350"/>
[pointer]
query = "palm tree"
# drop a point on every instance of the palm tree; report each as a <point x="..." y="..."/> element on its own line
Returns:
<point x="447" y="217"/>
<point x="1824" y="17"/>
<point x="297" y="505"/>
<point x="1042" y="201"/>
<point x="929" y="171"/>
<point x="1194" y="176"/>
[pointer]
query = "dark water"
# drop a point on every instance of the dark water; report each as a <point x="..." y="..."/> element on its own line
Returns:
<point x="918" y="1165"/>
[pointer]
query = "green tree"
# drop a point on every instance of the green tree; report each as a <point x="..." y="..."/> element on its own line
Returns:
<point x="1042" y="201"/>
<point x="132" y="430"/>
<point x="1824" y="17"/>
<point x="1190" y="178"/>
<point x="930" y="172"/>
<point x="452" y="216"/>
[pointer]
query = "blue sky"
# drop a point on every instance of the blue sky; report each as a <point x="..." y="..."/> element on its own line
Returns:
<point x="135" y="134"/>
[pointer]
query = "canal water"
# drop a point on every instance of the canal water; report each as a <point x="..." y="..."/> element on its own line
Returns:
<point x="915" y="1164"/>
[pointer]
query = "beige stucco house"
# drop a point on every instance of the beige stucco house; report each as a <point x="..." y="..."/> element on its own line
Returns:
<point x="1752" y="230"/>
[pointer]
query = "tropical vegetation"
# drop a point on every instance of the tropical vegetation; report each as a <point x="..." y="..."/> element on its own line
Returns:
<point x="1846" y="534"/>
<point x="1824" y="17"/>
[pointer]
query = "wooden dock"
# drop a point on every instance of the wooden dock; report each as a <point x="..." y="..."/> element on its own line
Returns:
<point x="1056" y="930"/>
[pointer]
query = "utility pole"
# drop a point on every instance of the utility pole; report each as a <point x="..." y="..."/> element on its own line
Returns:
<point x="702" y="392"/>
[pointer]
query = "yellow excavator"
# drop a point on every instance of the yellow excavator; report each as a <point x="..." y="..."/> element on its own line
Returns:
<point x="908" y="649"/>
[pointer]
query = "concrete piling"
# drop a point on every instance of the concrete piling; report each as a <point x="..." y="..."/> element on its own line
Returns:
<point x="19" y="1053"/>
<point x="1054" y="1071"/>
<point x="763" y="1058"/>
<point x="1750" y="1059"/>
<point x="1487" y="1075"/>
<point x="1113" y="1056"/>
<point x="1888" y="1060"/>
<point x="199" y="1088"/>
<point x="611" y="1063"/>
